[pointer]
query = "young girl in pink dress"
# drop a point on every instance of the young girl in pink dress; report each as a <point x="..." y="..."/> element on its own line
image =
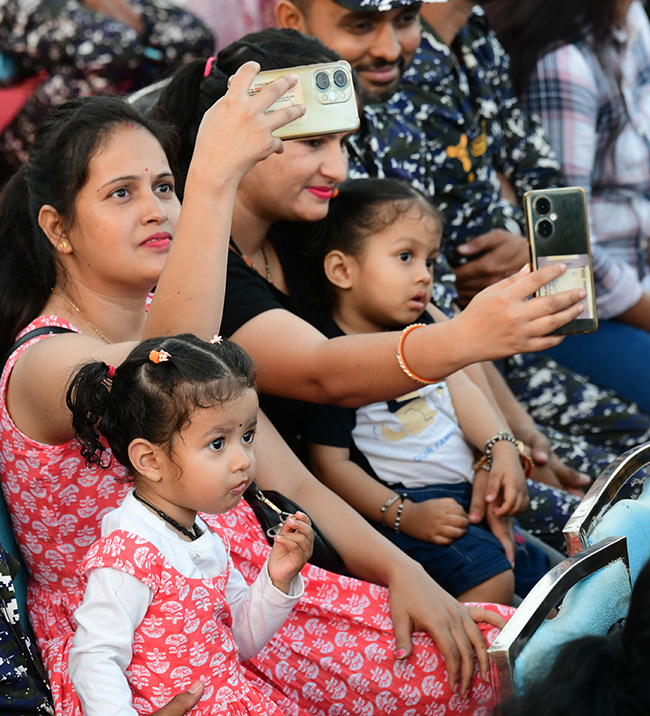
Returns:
<point x="164" y="604"/>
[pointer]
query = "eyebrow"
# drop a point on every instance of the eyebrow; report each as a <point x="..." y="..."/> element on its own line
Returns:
<point x="134" y="177"/>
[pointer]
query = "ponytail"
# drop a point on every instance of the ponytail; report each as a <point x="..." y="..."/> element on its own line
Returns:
<point x="89" y="400"/>
<point x="27" y="267"/>
<point x="182" y="103"/>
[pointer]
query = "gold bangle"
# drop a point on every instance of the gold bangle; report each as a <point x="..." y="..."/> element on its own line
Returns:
<point x="402" y="361"/>
<point x="526" y="462"/>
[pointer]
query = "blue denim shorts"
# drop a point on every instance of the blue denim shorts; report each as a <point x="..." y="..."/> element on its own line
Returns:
<point x="473" y="558"/>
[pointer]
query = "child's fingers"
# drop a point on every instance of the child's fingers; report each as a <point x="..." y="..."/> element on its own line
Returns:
<point x="515" y="497"/>
<point x="297" y="534"/>
<point x="299" y="545"/>
<point x="302" y="517"/>
<point x="493" y="486"/>
<point x="298" y="523"/>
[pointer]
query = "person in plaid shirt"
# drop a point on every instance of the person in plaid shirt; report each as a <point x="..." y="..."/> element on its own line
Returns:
<point x="587" y="76"/>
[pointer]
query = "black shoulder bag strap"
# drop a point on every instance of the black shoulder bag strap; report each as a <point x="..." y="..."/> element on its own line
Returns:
<point x="28" y="336"/>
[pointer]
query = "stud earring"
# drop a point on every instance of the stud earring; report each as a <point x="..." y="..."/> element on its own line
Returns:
<point x="64" y="244"/>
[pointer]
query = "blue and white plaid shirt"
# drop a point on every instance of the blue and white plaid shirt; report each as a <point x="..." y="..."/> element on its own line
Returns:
<point x="580" y="107"/>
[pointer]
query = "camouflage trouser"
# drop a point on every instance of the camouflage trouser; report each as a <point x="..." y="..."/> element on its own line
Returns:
<point x="587" y="426"/>
<point x="23" y="684"/>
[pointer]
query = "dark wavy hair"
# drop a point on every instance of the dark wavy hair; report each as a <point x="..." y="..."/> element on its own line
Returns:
<point x="149" y="400"/>
<point x="189" y="94"/>
<point x="363" y="207"/>
<point x="56" y="172"/>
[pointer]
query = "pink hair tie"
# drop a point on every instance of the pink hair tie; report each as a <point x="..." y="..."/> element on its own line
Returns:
<point x="208" y="66"/>
<point x="111" y="371"/>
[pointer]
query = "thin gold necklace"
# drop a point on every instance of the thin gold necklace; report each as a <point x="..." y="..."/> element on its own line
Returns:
<point x="78" y="310"/>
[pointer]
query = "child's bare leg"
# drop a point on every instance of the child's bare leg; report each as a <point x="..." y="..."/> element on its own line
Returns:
<point x="499" y="589"/>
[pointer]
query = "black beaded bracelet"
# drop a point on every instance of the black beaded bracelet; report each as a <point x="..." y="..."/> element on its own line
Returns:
<point x="386" y="506"/>
<point x="489" y="444"/>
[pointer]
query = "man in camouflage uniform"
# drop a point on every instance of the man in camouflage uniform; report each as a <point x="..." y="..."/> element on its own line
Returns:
<point x="496" y="146"/>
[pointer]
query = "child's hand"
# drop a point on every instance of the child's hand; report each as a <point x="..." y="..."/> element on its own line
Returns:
<point x="504" y="485"/>
<point x="292" y="548"/>
<point x="502" y="529"/>
<point x="507" y="481"/>
<point x="440" y="521"/>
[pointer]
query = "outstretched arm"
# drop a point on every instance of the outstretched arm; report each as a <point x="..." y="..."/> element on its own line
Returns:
<point x="362" y="369"/>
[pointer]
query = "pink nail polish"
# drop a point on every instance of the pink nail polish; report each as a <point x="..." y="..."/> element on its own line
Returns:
<point x="401" y="654"/>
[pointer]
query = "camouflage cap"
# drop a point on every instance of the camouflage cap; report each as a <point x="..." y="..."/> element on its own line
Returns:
<point x="379" y="5"/>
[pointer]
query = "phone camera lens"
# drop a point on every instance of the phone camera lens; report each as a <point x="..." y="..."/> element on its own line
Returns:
<point x="340" y="78"/>
<point x="544" y="228"/>
<point x="543" y="206"/>
<point x="322" y="80"/>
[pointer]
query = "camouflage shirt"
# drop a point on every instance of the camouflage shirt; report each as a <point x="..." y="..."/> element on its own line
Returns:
<point x="455" y="124"/>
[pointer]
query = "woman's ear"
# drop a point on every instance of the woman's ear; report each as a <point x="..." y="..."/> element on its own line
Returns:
<point x="145" y="458"/>
<point x="51" y="222"/>
<point x="337" y="267"/>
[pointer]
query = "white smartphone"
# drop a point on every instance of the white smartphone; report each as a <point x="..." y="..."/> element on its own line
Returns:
<point x="326" y="90"/>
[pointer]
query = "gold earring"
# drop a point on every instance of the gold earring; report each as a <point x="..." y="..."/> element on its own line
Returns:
<point x="64" y="244"/>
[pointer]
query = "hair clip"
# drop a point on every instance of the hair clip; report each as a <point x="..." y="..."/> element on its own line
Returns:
<point x="111" y="372"/>
<point x="208" y="66"/>
<point x="216" y="339"/>
<point x="159" y="356"/>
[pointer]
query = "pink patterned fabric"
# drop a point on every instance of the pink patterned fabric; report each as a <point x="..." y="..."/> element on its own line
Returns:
<point x="184" y="636"/>
<point x="56" y="506"/>
<point x="334" y="655"/>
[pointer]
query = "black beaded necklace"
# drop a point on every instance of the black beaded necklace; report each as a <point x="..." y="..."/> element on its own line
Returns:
<point x="193" y="535"/>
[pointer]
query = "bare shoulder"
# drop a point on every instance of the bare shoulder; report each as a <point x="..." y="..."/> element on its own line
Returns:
<point x="39" y="380"/>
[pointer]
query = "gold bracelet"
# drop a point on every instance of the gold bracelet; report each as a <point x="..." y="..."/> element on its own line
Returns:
<point x="402" y="361"/>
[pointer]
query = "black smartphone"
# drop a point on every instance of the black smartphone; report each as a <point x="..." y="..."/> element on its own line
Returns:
<point x="558" y="232"/>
